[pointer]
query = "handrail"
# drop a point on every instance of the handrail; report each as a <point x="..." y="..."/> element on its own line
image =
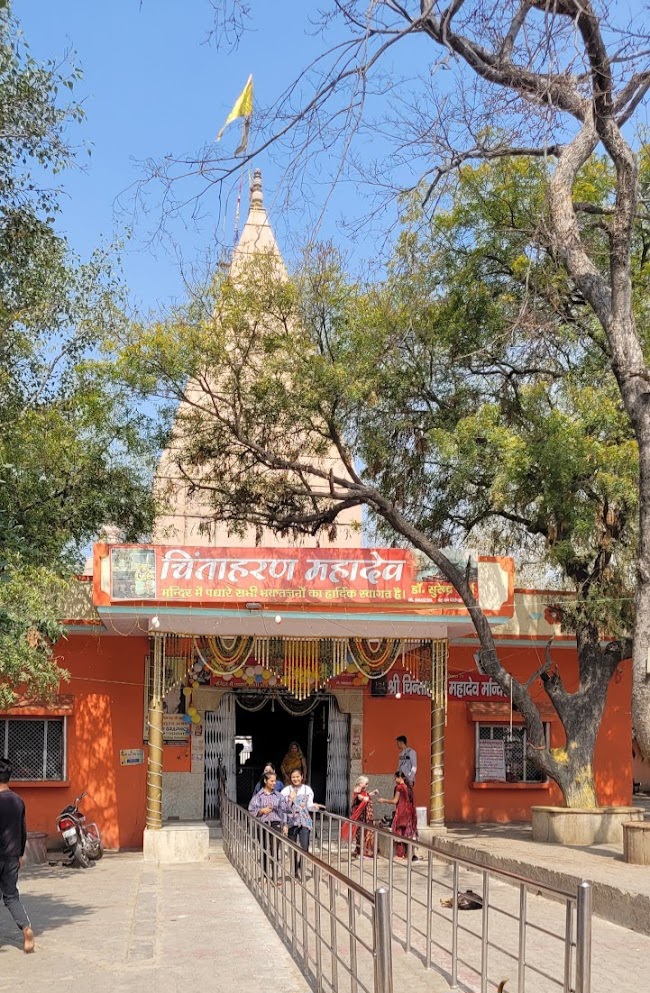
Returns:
<point x="402" y="902"/>
<point x="416" y="918"/>
<point x="260" y="855"/>
<point x="464" y="860"/>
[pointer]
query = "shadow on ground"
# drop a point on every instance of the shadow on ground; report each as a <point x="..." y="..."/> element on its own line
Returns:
<point x="47" y="911"/>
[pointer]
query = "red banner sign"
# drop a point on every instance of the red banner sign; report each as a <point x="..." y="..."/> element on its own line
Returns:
<point x="359" y="576"/>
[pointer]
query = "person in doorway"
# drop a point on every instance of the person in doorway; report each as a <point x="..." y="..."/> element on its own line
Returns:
<point x="294" y="759"/>
<point x="408" y="760"/>
<point x="360" y="811"/>
<point x="269" y="807"/>
<point x="298" y="822"/>
<point x="269" y="767"/>
<point x="13" y="838"/>
<point x="405" y="822"/>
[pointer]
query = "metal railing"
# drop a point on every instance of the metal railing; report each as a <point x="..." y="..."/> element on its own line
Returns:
<point x="521" y="927"/>
<point x="337" y="929"/>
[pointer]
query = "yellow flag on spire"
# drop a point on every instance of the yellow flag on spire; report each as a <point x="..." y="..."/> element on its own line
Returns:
<point x="243" y="108"/>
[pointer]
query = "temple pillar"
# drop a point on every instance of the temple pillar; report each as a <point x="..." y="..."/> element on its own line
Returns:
<point x="439" y="651"/>
<point x="155" y="761"/>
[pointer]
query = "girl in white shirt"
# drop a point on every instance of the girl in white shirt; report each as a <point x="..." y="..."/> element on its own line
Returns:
<point x="298" y="821"/>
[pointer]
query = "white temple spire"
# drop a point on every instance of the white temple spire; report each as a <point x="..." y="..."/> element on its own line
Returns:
<point x="257" y="236"/>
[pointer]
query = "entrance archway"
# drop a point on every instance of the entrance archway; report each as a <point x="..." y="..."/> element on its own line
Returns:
<point x="250" y="729"/>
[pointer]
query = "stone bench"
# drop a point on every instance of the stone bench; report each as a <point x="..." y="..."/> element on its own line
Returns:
<point x="636" y="842"/>
<point x="571" y="826"/>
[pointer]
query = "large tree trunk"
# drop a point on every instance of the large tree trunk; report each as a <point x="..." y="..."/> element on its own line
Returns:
<point x="580" y="790"/>
<point x="570" y="766"/>
<point x="641" y="675"/>
<point x="581" y="714"/>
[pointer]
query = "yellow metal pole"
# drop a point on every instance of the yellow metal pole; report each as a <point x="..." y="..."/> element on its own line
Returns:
<point x="154" y="770"/>
<point x="438" y="721"/>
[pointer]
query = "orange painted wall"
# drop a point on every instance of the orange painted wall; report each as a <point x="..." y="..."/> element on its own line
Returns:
<point x="107" y="683"/>
<point x="385" y="718"/>
<point x="107" y="675"/>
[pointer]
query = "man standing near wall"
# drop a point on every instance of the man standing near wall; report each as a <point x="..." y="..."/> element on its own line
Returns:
<point x="13" y="837"/>
<point x="408" y="760"/>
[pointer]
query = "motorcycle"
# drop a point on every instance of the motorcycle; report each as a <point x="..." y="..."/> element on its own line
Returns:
<point x="81" y="841"/>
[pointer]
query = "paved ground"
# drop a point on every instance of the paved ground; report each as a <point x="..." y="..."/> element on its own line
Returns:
<point x="620" y="960"/>
<point x="133" y="928"/>
<point x="127" y="927"/>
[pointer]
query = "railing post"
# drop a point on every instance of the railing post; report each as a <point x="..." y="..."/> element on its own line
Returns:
<point x="454" y="926"/>
<point x="583" y="939"/>
<point x="383" y="943"/>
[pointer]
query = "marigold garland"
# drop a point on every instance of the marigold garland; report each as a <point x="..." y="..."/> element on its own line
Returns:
<point x="374" y="658"/>
<point x="224" y="656"/>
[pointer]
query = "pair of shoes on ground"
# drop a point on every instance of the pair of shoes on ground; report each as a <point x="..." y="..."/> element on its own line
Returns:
<point x="28" y="940"/>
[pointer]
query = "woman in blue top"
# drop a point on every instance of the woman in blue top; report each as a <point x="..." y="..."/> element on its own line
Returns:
<point x="270" y="808"/>
<point x="269" y="767"/>
<point x="298" y="822"/>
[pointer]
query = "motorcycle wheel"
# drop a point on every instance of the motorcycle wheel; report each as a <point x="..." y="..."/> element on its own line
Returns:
<point x="93" y="846"/>
<point x="96" y="851"/>
<point x="79" y="856"/>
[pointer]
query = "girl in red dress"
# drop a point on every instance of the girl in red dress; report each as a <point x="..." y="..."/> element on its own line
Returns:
<point x="405" y="822"/>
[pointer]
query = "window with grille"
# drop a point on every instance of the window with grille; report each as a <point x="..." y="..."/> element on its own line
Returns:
<point x="517" y="766"/>
<point x="35" y="747"/>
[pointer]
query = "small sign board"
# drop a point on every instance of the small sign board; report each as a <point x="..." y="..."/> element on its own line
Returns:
<point x="132" y="756"/>
<point x="175" y="728"/>
<point x="198" y="751"/>
<point x="491" y="762"/>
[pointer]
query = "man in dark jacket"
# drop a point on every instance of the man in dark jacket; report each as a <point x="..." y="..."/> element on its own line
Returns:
<point x="13" y="837"/>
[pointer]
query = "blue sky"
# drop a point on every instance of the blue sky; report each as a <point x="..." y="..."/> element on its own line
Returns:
<point x="152" y="87"/>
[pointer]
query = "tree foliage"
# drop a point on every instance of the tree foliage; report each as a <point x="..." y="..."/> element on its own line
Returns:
<point x="74" y="454"/>
<point x="547" y="81"/>
<point x="427" y="399"/>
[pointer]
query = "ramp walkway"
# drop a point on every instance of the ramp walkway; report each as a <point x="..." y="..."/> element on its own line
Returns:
<point x="130" y="927"/>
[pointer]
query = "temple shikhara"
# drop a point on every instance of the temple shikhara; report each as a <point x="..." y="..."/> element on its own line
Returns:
<point x="200" y="656"/>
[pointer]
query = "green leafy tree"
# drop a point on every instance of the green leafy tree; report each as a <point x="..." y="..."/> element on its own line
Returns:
<point x="447" y="416"/>
<point x="548" y="82"/>
<point x="74" y="453"/>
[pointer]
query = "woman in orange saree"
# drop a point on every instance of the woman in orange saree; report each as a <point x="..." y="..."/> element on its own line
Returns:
<point x="361" y="812"/>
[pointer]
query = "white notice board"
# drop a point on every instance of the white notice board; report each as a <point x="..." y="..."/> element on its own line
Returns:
<point x="491" y="761"/>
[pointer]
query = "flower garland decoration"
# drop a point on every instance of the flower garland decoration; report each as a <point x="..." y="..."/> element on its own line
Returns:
<point x="374" y="657"/>
<point x="223" y="656"/>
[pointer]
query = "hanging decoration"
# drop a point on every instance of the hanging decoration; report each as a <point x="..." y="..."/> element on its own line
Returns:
<point x="375" y="657"/>
<point x="304" y="666"/>
<point x="302" y="670"/>
<point x="176" y="658"/>
<point x="224" y="656"/>
<point x="299" y="709"/>
<point x="334" y="656"/>
<point x="254" y="702"/>
<point x="269" y="653"/>
<point x="417" y="659"/>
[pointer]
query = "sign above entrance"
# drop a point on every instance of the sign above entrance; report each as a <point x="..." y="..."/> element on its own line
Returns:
<point x="268" y="576"/>
<point x="465" y="686"/>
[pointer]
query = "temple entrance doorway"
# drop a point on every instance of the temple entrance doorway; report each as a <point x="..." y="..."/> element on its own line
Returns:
<point x="249" y="729"/>
<point x="265" y="726"/>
